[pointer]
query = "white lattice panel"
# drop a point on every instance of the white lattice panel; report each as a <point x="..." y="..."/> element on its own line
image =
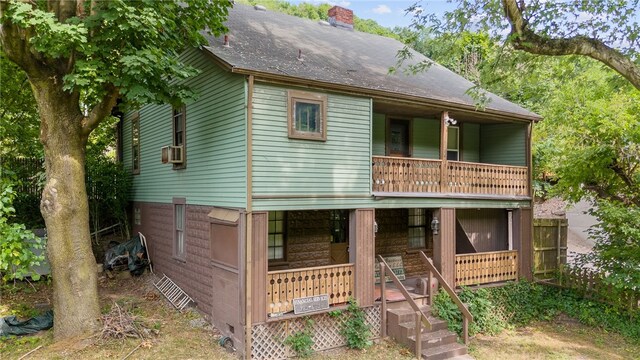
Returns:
<point x="268" y="338"/>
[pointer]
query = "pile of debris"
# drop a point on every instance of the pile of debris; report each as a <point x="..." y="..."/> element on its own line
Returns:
<point x="120" y="324"/>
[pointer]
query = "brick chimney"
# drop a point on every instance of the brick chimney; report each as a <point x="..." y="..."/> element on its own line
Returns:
<point x="341" y="17"/>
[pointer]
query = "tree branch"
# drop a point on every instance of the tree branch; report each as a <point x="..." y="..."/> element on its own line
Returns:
<point x="100" y="111"/>
<point x="523" y="38"/>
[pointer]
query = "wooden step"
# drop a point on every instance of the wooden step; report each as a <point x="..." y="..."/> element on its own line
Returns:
<point x="407" y="329"/>
<point x="398" y="316"/>
<point x="433" y="339"/>
<point x="444" y="352"/>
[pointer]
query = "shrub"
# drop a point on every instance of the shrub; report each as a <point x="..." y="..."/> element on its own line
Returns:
<point x="16" y="243"/>
<point x="355" y="329"/>
<point x="520" y="303"/>
<point x="302" y="341"/>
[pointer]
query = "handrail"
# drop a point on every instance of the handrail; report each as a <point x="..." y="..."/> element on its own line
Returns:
<point x="467" y="316"/>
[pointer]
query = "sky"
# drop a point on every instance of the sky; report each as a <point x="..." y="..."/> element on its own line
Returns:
<point x="387" y="13"/>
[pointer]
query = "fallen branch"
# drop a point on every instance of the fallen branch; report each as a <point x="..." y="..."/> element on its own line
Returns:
<point x="132" y="351"/>
<point x="29" y="353"/>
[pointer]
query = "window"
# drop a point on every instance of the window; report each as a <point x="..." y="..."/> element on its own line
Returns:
<point x="398" y="137"/>
<point x="179" y="129"/>
<point x="135" y="144"/>
<point x="453" y="143"/>
<point x="307" y="114"/>
<point x="418" y="228"/>
<point x="339" y="226"/>
<point x="277" y="227"/>
<point x="179" y="209"/>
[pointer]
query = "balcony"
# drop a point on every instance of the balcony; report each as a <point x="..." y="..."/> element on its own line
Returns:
<point x="422" y="176"/>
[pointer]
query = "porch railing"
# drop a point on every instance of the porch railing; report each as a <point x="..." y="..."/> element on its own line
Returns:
<point x="486" y="267"/>
<point x="398" y="174"/>
<point x="475" y="178"/>
<point x="412" y="175"/>
<point x="286" y="285"/>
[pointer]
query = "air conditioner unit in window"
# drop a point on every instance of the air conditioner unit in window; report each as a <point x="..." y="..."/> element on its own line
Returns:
<point x="172" y="154"/>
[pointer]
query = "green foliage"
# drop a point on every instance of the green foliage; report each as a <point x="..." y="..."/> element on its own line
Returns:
<point x="128" y="45"/>
<point x="17" y="106"/>
<point x="519" y="304"/>
<point x="355" y="329"/>
<point x="108" y="186"/>
<point x="308" y="10"/>
<point x="617" y="247"/>
<point x="16" y="243"/>
<point x="302" y="341"/>
<point x="613" y="23"/>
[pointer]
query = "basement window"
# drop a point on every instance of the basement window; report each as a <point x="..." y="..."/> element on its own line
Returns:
<point x="307" y="114"/>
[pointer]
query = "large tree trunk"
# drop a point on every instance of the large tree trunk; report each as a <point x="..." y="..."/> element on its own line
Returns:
<point x="65" y="210"/>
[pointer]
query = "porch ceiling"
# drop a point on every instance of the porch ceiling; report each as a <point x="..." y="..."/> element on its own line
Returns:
<point x="412" y="111"/>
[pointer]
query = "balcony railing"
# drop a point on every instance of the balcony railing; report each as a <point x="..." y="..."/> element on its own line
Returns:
<point x="286" y="285"/>
<point x="412" y="175"/>
<point x="487" y="267"/>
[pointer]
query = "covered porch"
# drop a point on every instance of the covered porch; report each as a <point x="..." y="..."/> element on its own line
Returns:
<point x="332" y="252"/>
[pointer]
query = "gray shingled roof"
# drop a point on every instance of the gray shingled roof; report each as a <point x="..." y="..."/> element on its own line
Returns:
<point x="269" y="42"/>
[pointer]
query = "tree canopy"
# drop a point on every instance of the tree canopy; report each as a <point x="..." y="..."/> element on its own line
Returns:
<point x="603" y="30"/>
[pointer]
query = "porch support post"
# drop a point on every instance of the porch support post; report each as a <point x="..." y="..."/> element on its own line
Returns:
<point x="523" y="241"/>
<point x="444" y="136"/>
<point x="444" y="245"/>
<point x="260" y="267"/>
<point x="362" y="253"/>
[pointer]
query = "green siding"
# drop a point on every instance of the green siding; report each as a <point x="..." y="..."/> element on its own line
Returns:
<point x="215" y="143"/>
<point x="283" y="166"/>
<point x="470" y="142"/>
<point x="503" y="144"/>
<point x="426" y="138"/>
<point x="379" y="140"/>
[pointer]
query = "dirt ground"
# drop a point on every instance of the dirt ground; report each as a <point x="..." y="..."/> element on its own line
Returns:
<point x="187" y="336"/>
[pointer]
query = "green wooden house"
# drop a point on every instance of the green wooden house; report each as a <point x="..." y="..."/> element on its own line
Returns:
<point x="303" y="160"/>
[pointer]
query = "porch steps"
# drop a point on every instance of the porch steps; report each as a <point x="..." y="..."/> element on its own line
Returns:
<point x="437" y="344"/>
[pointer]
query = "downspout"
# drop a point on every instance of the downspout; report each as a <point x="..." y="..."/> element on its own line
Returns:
<point x="249" y="224"/>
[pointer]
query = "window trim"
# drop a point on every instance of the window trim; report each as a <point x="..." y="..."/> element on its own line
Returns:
<point x="135" y="125"/>
<point x="183" y="112"/>
<point x="177" y="255"/>
<point x="457" y="149"/>
<point x="387" y="140"/>
<point x="282" y="260"/>
<point x="427" y="236"/>
<point x="294" y="96"/>
<point x="342" y="222"/>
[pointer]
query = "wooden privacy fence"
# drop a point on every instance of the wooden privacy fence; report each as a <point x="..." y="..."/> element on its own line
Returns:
<point x="286" y="285"/>
<point x="487" y="267"/>
<point x="591" y="284"/>
<point x="412" y="175"/>
<point x="549" y="247"/>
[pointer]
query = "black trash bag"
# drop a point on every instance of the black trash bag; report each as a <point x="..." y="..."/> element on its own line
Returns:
<point x="132" y="251"/>
<point x="11" y="326"/>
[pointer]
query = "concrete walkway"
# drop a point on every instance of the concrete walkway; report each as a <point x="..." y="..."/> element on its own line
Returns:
<point x="578" y="239"/>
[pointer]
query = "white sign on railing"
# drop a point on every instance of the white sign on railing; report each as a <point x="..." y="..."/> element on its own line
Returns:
<point x="310" y="304"/>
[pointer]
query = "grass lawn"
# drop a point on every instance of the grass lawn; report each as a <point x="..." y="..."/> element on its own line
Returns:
<point x="183" y="336"/>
